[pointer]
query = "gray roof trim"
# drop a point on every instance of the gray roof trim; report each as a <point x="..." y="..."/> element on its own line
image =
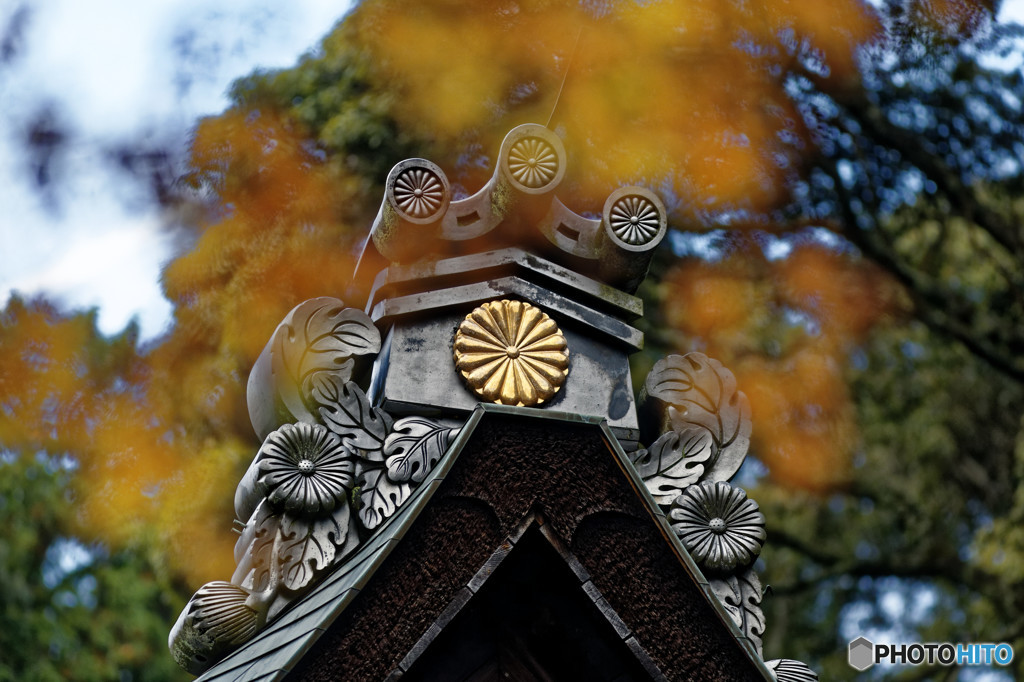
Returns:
<point x="680" y="551"/>
<point x="295" y="631"/>
<point x="397" y="279"/>
<point x="618" y="331"/>
<point x="278" y="648"/>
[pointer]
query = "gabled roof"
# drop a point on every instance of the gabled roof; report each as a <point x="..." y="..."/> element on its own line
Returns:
<point x="512" y="475"/>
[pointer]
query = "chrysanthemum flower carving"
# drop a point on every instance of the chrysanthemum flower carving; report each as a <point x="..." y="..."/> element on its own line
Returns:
<point x="305" y="469"/>
<point x="720" y="527"/>
<point x="533" y="162"/>
<point x="509" y="352"/>
<point x="635" y="219"/>
<point x="419" y="192"/>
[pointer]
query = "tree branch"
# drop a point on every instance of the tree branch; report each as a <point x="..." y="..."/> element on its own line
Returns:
<point x="930" y="301"/>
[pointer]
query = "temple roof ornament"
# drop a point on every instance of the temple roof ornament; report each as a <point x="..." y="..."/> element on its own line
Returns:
<point x="504" y="303"/>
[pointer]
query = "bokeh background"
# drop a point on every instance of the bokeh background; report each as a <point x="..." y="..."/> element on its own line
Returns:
<point x="846" y="198"/>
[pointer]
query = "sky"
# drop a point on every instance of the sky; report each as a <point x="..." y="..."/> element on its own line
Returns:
<point x="77" y="228"/>
<point x="88" y="234"/>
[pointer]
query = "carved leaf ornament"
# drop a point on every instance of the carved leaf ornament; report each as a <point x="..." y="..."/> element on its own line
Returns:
<point x="511" y="353"/>
<point x="326" y="341"/>
<point x="694" y="390"/>
<point x="741" y="596"/>
<point x="342" y="463"/>
<point x="413" y="448"/>
<point x="319" y="338"/>
<point x="346" y="411"/>
<point x="380" y="497"/>
<point x="673" y="462"/>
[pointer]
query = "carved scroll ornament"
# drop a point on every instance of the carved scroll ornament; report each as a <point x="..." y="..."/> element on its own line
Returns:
<point x="331" y="469"/>
<point x="698" y="424"/>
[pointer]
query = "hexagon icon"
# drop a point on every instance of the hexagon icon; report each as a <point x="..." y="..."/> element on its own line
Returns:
<point x="862" y="653"/>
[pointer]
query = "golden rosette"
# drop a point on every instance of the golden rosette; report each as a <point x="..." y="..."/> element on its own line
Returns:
<point x="511" y="353"/>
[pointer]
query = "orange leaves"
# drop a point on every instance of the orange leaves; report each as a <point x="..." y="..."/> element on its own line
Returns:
<point x="804" y="427"/>
<point x="44" y="371"/>
<point x="710" y="301"/>
<point x="954" y="18"/>
<point x="786" y="329"/>
<point x="847" y="297"/>
<point x="837" y="30"/>
<point x="259" y="167"/>
<point x="160" y="437"/>
<point x="275" y="241"/>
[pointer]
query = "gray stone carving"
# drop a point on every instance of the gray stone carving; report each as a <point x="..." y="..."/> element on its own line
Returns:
<point x="419" y="222"/>
<point x="634" y="219"/>
<point x="788" y="670"/>
<point x="419" y="191"/>
<point x="416" y="198"/>
<point x="694" y="391"/>
<point x="347" y="412"/>
<point x="532" y="159"/>
<point x="720" y="527"/>
<point x="533" y="162"/>
<point x="317" y="341"/>
<point x="673" y="462"/>
<point x="379" y="496"/>
<point x="700" y="426"/>
<point x="304" y="469"/>
<point x="339" y="459"/>
<point x="218" y="618"/>
<point x="741" y="596"/>
<point x="414" y="446"/>
<point x="322" y="440"/>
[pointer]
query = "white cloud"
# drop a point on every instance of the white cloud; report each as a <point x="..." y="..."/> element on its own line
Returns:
<point x="112" y="69"/>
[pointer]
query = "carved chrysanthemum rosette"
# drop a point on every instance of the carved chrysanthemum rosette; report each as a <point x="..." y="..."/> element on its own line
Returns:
<point x="509" y="352"/>
<point x="418" y="191"/>
<point x="533" y="158"/>
<point x="305" y="469"/>
<point x="635" y="219"/>
<point x="720" y="527"/>
<point x="533" y="162"/>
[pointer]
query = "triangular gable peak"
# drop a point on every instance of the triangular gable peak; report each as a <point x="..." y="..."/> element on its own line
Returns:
<point x="453" y="484"/>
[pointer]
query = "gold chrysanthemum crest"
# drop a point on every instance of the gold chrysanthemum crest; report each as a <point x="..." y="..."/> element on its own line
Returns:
<point x="509" y="352"/>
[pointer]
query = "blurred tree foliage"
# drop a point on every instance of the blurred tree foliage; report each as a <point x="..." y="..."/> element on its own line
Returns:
<point x="845" y="189"/>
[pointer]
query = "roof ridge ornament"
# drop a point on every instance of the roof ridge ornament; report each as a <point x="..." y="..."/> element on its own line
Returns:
<point x="357" y="409"/>
<point x="418" y="218"/>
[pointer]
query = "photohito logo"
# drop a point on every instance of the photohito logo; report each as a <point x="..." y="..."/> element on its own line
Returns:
<point x="864" y="653"/>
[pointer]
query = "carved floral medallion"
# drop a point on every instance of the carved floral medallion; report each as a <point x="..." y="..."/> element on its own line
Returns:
<point x="306" y="469"/>
<point x="419" y="192"/>
<point x="635" y="219"/>
<point x="511" y="353"/>
<point x="533" y="162"/>
<point x="720" y="526"/>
